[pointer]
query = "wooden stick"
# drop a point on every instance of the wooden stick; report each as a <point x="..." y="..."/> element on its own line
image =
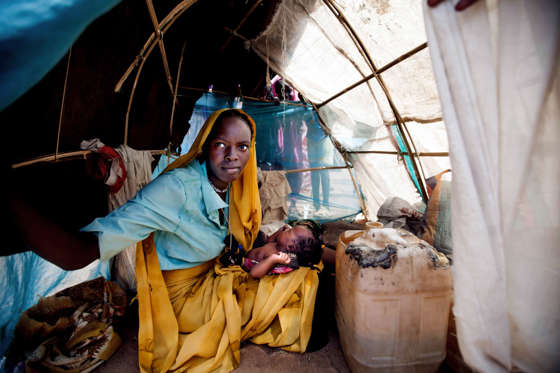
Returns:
<point x="360" y="45"/>
<point x="314" y="169"/>
<point x="414" y="119"/>
<point x="167" y="22"/>
<point x="374" y="75"/>
<point x="62" y="104"/>
<point x="234" y="33"/>
<point x="244" y="97"/>
<point x="353" y="35"/>
<point x="148" y="45"/>
<point x="402" y="57"/>
<point x="392" y="152"/>
<point x="205" y="90"/>
<point x="257" y="85"/>
<point x="175" y="94"/>
<point x="138" y="72"/>
<point x="67" y="155"/>
<point x="340" y="51"/>
<point x="159" y="35"/>
<point x="243" y="20"/>
<point x="333" y="97"/>
<point x="405" y="140"/>
<point x="273" y="101"/>
<point x="359" y="194"/>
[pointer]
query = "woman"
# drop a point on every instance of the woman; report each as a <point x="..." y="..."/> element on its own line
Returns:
<point x="194" y="313"/>
<point x="186" y="207"/>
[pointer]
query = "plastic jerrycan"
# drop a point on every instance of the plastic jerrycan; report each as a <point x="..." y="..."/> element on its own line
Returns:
<point x="393" y="298"/>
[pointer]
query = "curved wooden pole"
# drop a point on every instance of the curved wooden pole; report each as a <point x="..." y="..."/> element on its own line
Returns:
<point x="362" y="49"/>
<point x="148" y="45"/>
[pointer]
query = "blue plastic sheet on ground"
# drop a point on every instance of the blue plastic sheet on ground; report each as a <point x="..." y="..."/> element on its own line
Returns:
<point x="25" y="278"/>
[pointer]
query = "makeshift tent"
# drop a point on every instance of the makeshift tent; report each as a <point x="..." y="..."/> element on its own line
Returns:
<point x="365" y="69"/>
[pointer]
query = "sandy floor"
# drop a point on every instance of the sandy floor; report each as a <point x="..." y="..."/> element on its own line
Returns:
<point x="254" y="358"/>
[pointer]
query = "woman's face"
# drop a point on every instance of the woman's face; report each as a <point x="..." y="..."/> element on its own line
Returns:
<point x="228" y="151"/>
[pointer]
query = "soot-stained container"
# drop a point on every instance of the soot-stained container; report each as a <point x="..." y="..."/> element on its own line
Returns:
<point x="393" y="298"/>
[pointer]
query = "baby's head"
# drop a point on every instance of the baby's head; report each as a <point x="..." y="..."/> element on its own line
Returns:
<point x="301" y="241"/>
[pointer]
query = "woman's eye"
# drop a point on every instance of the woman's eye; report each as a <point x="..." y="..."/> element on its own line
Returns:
<point x="219" y="145"/>
<point x="243" y="148"/>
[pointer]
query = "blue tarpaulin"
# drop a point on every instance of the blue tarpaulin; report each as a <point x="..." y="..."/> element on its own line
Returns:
<point x="35" y="35"/>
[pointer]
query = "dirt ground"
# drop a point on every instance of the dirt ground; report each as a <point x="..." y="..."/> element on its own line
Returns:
<point x="254" y="358"/>
<point x="327" y="357"/>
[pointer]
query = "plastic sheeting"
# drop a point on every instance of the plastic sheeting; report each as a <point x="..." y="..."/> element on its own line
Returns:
<point x="498" y="76"/>
<point x="33" y="38"/>
<point x="309" y="47"/>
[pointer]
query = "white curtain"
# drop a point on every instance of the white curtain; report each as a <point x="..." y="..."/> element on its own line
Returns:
<point x="497" y="72"/>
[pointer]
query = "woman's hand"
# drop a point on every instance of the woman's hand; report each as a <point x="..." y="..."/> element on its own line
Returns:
<point x="68" y="249"/>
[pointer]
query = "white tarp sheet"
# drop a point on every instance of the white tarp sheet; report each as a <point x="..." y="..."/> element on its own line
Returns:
<point x="497" y="70"/>
<point x="307" y="44"/>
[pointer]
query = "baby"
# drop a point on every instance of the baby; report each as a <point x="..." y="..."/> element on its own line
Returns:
<point x="287" y="249"/>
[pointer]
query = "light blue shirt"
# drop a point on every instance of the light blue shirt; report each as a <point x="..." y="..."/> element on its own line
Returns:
<point x="181" y="207"/>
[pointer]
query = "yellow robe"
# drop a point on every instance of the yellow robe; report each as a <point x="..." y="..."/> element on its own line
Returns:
<point x="195" y="319"/>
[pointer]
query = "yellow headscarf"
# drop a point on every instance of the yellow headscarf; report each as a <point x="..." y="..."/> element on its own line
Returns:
<point x="244" y="200"/>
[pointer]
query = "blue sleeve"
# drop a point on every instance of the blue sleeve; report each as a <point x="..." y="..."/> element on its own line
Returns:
<point x="155" y="207"/>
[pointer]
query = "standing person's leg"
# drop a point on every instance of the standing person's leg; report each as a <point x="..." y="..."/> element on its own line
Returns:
<point x="326" y="186"/>
<point x="315" y="185"/>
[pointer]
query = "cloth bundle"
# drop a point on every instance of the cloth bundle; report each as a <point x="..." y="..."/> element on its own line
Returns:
<point x="395" y="212"/>
<point x="273" y="191"/>
<point x="437" y="218"/>
<point x="139" y="173"/>
<point x="108" y="166"/>
<point x="71" y="331"/>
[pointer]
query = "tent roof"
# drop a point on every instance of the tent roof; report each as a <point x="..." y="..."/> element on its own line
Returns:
<point x="362" y="63"/>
